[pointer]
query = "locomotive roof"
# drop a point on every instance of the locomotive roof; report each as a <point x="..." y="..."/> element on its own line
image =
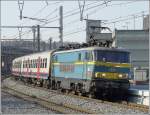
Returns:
<point x="71" y="50"/>
<point x="94" y="48"/>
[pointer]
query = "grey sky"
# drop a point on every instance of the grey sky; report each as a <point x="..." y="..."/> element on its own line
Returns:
<point x="72" y="24"/>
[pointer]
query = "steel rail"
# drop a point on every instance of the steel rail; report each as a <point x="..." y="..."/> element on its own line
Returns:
<point x="124" y="104"/>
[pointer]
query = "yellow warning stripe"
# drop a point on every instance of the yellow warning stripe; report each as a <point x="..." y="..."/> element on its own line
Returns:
<point x="99" y="63"/>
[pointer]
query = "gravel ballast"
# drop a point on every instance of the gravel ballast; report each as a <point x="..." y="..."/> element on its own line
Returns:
<point x="95" y="107"/>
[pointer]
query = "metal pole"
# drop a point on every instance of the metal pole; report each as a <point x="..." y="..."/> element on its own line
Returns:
<point x="61" y="25"/>
<point x="38" y="37"/>
<point x="134" y="21"/>
<point x="50" y="43"/>
<point x="33" y="30"/>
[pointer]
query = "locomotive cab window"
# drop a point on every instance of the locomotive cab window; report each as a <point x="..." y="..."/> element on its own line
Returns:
<point x="112" y="56"/>
<point x="88" y="56"/>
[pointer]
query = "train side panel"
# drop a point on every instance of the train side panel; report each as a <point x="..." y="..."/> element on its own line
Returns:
<point x="32" y="66"/>
<point x="72" y="68"/>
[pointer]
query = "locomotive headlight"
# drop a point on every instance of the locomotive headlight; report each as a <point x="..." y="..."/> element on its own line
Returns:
<point x="127" y="75"/>
<point x="103" y="74"/>
<point x="120" y="75"/>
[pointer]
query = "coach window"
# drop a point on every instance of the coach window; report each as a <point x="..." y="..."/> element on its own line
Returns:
<point x="46" y="63"/>
<point x="33" y="63"/>
<point x="36" y="63"/>
<point x="41" y="63"/>
<point x="26" y="64"/>
<point x="29" y="63"/>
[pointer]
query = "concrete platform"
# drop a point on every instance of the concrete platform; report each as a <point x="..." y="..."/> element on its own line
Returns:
<point x="139" y="94"/>
<point x="140" y="87"/>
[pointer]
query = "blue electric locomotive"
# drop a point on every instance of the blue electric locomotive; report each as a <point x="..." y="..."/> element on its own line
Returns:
<point x="92" y="70"/>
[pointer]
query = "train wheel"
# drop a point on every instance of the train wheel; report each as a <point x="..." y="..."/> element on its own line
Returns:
<point x="66" y="91"/>
<point x="79" y="94"/>
<point x="41" y="83"/>
<point x="91" y="95"/>
<point x="53" y="85"/>
<point x="73" y="92"/>
<point x="57" y="86"/>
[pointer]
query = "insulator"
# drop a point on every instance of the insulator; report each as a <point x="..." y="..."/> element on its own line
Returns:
<point x="21" y="4"/>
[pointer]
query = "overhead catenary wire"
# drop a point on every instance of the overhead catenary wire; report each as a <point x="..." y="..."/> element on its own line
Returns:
<point x="131" y="17"/>
<point x="74" y="13"/>
<point x="103" y="7"/>
<point x="74" y="32"/>
<point x="38" y="12"/>
<point x="110" y="5"/>
<point x="91" y="7"/>
<point x="104" y="23"/>
<point x="50" y="21"/>
<point x="57" y="19"/>
<point x="70" y="15"/>
<point x="76" y="20"/>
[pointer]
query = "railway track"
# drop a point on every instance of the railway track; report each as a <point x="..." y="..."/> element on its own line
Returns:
<point x="87" y="100"/>
<point x="60" y="108"/>
<point x="125" y="104"/>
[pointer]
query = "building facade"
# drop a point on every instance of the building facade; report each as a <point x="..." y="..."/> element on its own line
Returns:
<point x="137" y="42"/>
